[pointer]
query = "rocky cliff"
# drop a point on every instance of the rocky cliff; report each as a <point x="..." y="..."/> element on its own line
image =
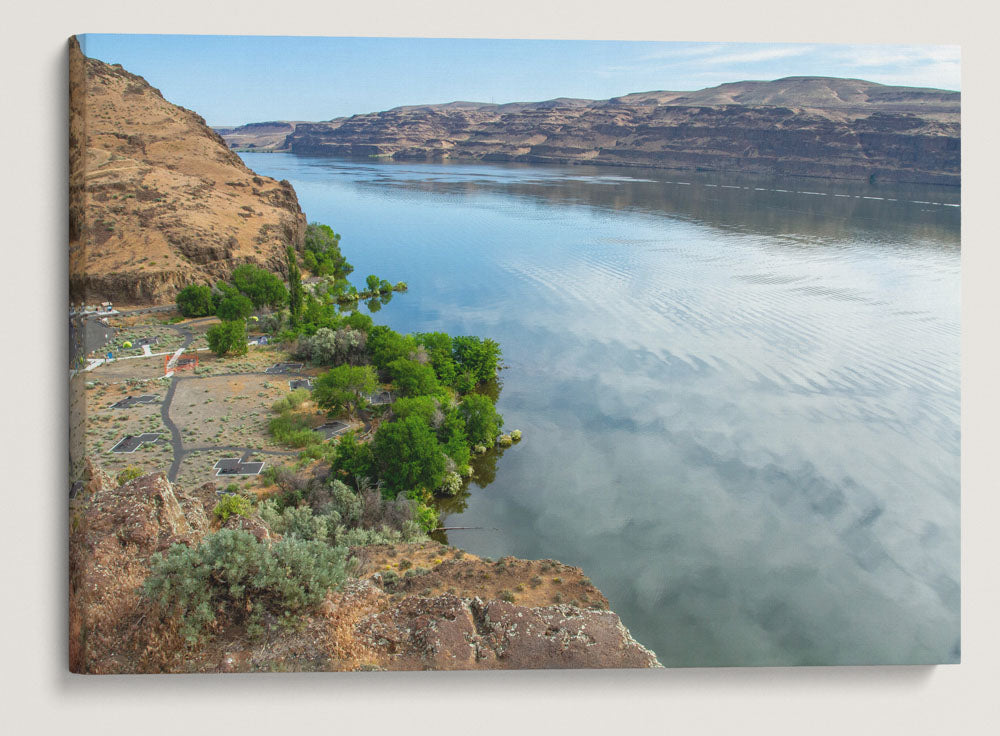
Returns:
<point x="157" y="199"/>
<point x="451" y="611"/>
<point x="805" y="126"/>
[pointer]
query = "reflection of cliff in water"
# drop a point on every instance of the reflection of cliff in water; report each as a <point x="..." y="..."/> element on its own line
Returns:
<point x="826" y="208"/>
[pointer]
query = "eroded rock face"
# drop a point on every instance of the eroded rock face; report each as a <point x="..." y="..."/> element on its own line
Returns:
<point x="803" y="126"/>
<point x="446" y="632"/>
<point x="157" y="199"/>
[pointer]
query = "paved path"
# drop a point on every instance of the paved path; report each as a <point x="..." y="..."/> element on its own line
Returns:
<point x="177" y="442"/>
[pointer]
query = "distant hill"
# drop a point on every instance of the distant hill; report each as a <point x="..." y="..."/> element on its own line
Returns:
<point x="809" y="126"/>
<point x="157" y="199"/>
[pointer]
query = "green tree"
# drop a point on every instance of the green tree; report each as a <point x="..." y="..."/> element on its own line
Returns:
<point x="439" y="348"/>
<point x="341" y="387"/>
<point x="322" y="253"/>
<point x="234" y="307"/>
<point x="477" y="356"/>
<point x="427" y="408"/>
<point x="294" y="286"/>
<point x="195" y="300"/>
<point x="407" y="456"/>
<point x="228" y="337"/>
<point x="262" y="287"/>
<point x="386" y="345"/>
<point x="482" y="422"/>
<point x="372" y="281"/>
<point x="454" y="438"/>
<point x="413" y="378"/>
<point x="353" y="458"/>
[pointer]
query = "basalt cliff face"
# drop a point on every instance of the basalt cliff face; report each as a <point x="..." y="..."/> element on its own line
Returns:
<point x="804" y="126"/>
<point x="450" y="616"/>
<point x="157" y="199"/>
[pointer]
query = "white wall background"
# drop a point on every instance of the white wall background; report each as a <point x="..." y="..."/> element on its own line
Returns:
<point x="40" y="696"/>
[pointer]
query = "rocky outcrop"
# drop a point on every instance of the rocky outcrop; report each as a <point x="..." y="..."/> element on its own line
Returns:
<point x="157" y="199"/>
<point x="803" y="126"/>
<point x="378" y="621"/>
<point x="448" y="633"/>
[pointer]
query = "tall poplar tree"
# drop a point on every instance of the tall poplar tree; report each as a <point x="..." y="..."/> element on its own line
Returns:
<point x="294" y="286"/>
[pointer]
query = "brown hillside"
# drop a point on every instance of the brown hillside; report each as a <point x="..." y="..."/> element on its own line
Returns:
<point x="157" y="200"/>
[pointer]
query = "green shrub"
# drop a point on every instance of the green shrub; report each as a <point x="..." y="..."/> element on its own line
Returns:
<point x="516" y="435"/>
<point x="451" y="485"/>
<point x="231" y="572"/>
<point x="507" y="596"/>
<point x="232" y="505"/>
<point x="390" y="577"/>
<point x="297" y="522"/>
<point x="130" y="473"/>
<point x="297" y="397"/>
<point x="505" y="440"/>
<point x="293" y="430"/>
<point x="411" y="532"/>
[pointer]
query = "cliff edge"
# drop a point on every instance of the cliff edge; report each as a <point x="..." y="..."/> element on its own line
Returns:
<point x="451" y="610"/>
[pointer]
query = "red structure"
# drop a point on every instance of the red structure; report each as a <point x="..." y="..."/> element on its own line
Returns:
<point x="184" y="363"/>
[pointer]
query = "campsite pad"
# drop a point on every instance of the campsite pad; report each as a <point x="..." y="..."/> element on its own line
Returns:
<point x="332" y="429"/>
<point x="380" y="397"/>
<point x="131" y="443"/>
<point x="300" y="383"/>
<point x="235" y="466"/>
<point x="129" y="401"/>
<point x="284" y="368"/>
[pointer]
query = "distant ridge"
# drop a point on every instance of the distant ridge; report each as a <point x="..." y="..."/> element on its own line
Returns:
<point x="805" y="126"/>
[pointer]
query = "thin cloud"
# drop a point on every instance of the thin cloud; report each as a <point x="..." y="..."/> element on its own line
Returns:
<point x="753" y="57"/>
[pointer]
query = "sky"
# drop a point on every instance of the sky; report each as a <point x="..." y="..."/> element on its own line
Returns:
<point x="231" y="80"/>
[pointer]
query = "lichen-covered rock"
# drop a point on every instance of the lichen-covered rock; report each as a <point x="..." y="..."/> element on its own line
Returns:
<point x="447" y="632"/>
<point x="143" y="512"/>
<point x="560" y="636"/>
<point x="253" y="524"/>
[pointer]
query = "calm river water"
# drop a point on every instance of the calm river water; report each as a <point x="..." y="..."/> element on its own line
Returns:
<point x="739" y="396"/>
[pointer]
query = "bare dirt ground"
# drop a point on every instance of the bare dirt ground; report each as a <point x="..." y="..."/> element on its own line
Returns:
<point x="226" y="410"/>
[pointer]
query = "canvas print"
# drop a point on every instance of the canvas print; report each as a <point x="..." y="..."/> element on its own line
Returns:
<point x="445" y="354"/>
